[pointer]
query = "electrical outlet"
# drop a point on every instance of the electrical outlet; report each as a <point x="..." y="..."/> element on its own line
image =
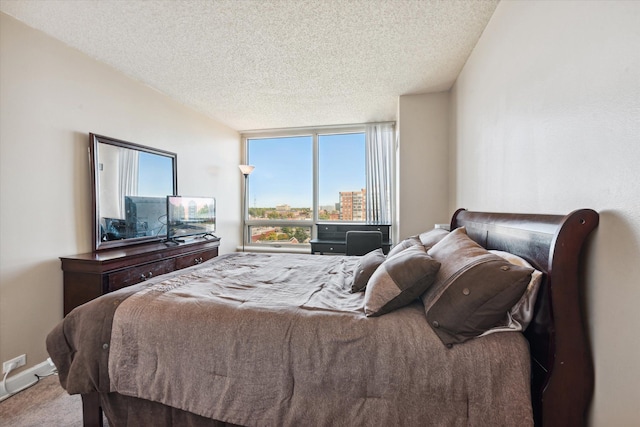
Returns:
<point x="19" y="361"/>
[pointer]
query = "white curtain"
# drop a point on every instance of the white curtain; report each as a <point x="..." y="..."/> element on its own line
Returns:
<point x="380" y="150"/>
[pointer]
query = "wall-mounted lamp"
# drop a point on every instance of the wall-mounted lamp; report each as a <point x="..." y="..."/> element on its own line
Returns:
<point x="246" y="171"/>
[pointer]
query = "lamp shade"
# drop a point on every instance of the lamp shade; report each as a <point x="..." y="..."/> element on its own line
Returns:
<point x="246" y="169"/>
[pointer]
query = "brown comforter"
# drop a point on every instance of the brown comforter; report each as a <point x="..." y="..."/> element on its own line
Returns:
<point x="278" y="340"/>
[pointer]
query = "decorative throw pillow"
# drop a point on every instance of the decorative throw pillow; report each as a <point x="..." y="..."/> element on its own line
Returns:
<point x="433" y="236"/>
<point x="406" y="243"/>
<point x="473" y="289"/>
<point x="521" y="314"/>
<point x="399" y="280"/>
<point x="365" y="267"/>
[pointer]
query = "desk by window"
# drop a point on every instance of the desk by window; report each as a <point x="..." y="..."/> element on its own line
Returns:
<point x="332" y="237"/>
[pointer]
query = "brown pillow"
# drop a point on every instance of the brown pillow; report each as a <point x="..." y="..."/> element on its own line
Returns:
<point x="431" y="237"/>
<point x="473" y="289"/>
<point x="365" y="268"/>
<point x="400" y="280"/>
<point x="406" y="243"/>
<point x="521" y="314"/>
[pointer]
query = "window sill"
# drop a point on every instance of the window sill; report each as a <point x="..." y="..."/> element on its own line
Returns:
<point x="272" y="249"/>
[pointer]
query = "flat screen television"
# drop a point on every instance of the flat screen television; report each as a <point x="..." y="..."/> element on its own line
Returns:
<point x="190" y="216"/>
<point x="143" y="217"/>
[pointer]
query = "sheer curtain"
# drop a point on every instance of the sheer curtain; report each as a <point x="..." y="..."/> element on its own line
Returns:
<point x="380" y="150"/>
<point x="128" y="180"/>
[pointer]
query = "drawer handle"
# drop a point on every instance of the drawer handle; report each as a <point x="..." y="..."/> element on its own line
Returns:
<point x="143" y="277"/>
<point x="198" y="260"/>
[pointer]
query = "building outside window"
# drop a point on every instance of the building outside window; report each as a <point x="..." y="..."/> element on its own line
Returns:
<point x="353" y="205"/>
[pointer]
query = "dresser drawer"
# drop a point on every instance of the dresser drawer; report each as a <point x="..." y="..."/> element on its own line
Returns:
<point x="328" y="247"/>
<point x="328" y="228"/>
<point x="185" y="261"/>
<point x="133" y="275"/>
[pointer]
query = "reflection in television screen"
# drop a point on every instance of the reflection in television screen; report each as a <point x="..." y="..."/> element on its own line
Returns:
<point x="190" y="216"/>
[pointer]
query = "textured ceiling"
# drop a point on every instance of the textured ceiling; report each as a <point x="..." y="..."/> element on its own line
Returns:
<point x="273" y="63"/>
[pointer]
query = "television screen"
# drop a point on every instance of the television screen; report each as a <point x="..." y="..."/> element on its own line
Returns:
<point x="142" y="217"/>
<point x="190" y="216"/>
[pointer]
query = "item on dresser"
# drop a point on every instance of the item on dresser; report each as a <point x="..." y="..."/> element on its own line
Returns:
<point x="190" y="216"/>
<point x="120" y="172"/>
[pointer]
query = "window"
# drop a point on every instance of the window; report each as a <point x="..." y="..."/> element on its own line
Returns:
<point x="302" y="177"/>
<point x="341" y="177"/>
<point x="280" y="190"/>
<point x="281" y="185"/>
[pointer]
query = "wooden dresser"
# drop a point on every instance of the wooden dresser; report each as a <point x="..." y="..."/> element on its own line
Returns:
<point x="87" y="276"/>
<point x="332" y="237"/>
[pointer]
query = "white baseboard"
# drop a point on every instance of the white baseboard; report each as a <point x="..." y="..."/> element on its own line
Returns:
<point x="26" y="378"/>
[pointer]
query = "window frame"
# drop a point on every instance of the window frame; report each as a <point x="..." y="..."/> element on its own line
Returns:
<point x="314" y="132"/>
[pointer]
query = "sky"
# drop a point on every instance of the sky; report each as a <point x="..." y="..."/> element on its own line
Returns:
<point x="284" y="169"/>
<point x="155" y="175"/>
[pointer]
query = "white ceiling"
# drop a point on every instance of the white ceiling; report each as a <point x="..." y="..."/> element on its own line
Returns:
<point x="273" y="63"/>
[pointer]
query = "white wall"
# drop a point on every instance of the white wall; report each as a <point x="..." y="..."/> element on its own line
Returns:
<point x="51" y="97"/>
<point x="423" y="198"/>
<point x="546" y="118"/>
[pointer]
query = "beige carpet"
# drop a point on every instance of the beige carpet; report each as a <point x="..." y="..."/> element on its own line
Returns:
<point x="44" y="404"/>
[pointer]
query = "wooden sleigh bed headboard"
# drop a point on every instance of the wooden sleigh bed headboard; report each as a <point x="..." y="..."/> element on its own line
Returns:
<point x="562" y="367"/>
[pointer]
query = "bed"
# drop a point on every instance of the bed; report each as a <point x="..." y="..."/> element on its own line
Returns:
<point x="263" y="339"/>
